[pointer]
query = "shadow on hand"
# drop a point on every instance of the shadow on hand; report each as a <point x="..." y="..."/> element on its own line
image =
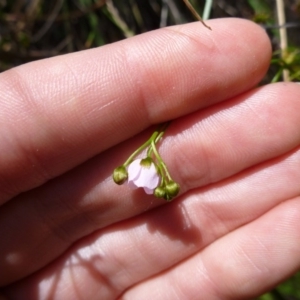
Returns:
<point x="173" y="221"/>
<point x="170" y="220"/>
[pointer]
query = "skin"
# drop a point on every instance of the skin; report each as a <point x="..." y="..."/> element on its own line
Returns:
<point x="68" y="232"/>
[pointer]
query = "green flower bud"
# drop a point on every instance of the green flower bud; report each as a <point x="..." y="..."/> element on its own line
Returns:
<point x="172" y="189"/>
<point x="120" y="175"/>
<point x="159" y="192"/>
<point x="147" y="162"/>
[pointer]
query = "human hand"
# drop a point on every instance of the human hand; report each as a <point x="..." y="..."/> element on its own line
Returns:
<point x="68" y="232"/>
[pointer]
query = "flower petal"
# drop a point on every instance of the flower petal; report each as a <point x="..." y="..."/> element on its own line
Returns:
<point x="153" y="183"/>
<point x="148" y="177"/>
<point x="134" y="170"/>
<point x="148" y="191"/>
<point x="141" y="176"/>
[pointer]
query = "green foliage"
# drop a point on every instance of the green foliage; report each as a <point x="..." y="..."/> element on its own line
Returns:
<point x="33" y="30"/>
<point x="288" y="290"/>
<point x="289" y="61"/>
<point x="262" y="11"/>
<point x="291" y="287"/>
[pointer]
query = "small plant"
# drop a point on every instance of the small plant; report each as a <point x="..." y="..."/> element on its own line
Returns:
<point x="149" y="173"/>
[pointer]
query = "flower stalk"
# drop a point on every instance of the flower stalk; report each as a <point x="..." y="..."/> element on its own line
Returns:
<point x="149" y="173"/>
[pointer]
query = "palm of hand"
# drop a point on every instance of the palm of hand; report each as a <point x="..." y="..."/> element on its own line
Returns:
<point x="232" y="233"/>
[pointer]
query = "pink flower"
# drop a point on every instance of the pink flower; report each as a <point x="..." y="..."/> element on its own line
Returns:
<point x="142" y="173"/>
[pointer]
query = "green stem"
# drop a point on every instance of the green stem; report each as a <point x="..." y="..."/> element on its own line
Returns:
<point x="277" y="76"/>
<point x="141" y="148"/>
<point x="161" y="129"/>
<point x="161" y="163"/>
<point x="161" y="173"/>
<point x="155" y="137"/>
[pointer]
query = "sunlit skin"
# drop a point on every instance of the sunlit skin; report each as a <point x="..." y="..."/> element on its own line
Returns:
<point x="69" y="232"/>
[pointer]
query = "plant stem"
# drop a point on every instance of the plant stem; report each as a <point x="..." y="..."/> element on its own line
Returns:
<point x="141" y="148"/>
<point x="155" y="137"/>
<point x="207" y="9"/>
<point x="161" y="163"/>
<point x="283" y="35"/>
<point x="194" y="12"/>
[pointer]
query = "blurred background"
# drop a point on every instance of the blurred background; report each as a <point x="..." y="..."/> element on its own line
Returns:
<point x="37" y="29"/>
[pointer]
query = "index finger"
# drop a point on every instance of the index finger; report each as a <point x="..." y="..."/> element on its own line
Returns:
<point x="59" y="112"/>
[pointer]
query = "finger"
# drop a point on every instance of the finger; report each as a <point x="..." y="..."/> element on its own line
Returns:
<point x="87" y="199"/>
<point x="244" y="264"/>
<point x="119" y="257"/>
<point x="59" y="112"/>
